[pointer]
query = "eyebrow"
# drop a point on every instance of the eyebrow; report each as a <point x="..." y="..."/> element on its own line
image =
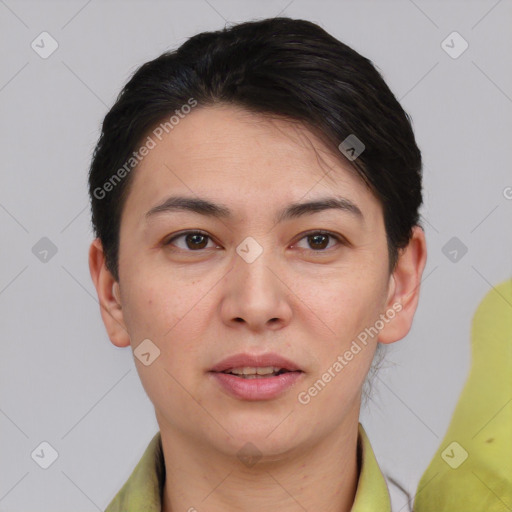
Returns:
<point x="294" y="210"/>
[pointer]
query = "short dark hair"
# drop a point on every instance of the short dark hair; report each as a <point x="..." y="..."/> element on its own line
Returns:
<point x="286" y="67"/>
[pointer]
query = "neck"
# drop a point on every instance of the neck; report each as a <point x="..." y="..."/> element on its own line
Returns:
<point x="321" y="476"/>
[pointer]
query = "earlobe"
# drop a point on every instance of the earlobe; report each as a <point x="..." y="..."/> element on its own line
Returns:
<point x="404" y="288"/>
<point x="108" y="296"/>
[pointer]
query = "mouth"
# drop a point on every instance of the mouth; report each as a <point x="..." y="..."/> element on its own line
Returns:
<point x="260" y="372"/>
<point x="254" y="366"/>
<point x="256" y="377"/>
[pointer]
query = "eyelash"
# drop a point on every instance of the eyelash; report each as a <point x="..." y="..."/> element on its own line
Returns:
<point x="338" y="238"/>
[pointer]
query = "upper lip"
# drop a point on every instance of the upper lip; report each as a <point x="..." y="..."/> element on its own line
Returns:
<point x="255" y="361"/>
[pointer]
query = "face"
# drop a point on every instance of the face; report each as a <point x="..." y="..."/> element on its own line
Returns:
<point x="206" y="287"/>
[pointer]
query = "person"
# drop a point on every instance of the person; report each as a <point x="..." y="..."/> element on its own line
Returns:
<point x="255" y="198"/>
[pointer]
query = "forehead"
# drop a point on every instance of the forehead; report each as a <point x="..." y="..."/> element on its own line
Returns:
<point x="243" y="158"/>
<point x="223" y="132"/>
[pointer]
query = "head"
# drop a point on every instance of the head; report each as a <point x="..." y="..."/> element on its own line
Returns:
<point x="204" y="245"/>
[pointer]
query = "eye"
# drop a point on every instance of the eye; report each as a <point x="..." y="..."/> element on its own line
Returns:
<point x="197" y="240"/>
<point x="194" y="240"/>
<point x="318" y="240"/>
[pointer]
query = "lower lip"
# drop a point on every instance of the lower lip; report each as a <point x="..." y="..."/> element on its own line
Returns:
<point x="260" y="388"/>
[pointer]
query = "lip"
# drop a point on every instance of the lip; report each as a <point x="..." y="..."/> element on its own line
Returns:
<point x="255" y="361"/>
<point x="259" y="388"/>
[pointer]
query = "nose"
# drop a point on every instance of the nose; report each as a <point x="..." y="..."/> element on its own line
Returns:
<point x="256" y="294"/>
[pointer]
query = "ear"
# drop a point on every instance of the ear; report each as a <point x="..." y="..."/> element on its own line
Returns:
<point x="404" y="288"/>
<point x="109" y="297"/>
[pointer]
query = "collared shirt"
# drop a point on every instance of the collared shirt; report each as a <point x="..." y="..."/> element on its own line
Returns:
<point x="142" y="492"/>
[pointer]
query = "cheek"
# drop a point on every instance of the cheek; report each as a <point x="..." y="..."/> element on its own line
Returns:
<point x="169" y="312"/>
<point x="156" y="312"/>
<point x="343" y="305"/>
<point x="141" y="311"/>
<point x="345" y="350"/>
<point x="154" y="302"/>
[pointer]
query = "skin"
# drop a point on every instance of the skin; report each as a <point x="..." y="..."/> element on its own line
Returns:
<point x="299" y="298"/>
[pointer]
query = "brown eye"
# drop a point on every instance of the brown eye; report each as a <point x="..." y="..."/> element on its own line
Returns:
<point x="194" y="240"/>
<point x="318" y="241"/>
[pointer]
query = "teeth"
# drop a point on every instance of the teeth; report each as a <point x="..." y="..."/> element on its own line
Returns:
<point x="252" y="372"/>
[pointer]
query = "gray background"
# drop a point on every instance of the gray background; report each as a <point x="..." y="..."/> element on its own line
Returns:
<point x="62" y="381"/>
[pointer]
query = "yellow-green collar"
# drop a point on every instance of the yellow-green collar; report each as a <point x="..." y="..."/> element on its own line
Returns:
<point x="143" y="490"/>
